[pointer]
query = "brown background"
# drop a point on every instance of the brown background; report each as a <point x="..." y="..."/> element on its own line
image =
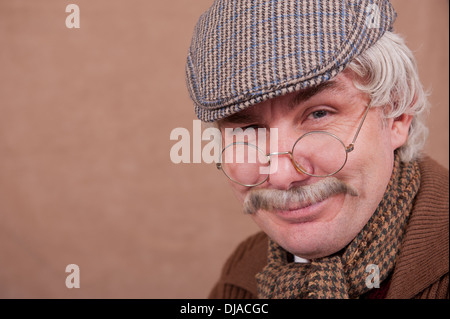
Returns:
<point x="85" y="173"/>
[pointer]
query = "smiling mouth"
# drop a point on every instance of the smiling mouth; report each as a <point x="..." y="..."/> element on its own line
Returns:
<point x="306" y="212"/>
<point x="297" y="206"/>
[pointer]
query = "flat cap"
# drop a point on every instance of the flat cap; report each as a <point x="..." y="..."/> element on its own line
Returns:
<point x="246" y="51"/>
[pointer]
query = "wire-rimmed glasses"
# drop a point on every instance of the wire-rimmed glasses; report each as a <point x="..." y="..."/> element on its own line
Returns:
<point x="316" y="153"/>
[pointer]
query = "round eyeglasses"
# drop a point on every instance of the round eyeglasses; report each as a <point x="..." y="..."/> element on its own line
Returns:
<point x="316" y="153"/>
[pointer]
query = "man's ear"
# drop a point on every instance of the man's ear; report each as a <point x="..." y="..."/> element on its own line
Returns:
<point x="399" y="130"/>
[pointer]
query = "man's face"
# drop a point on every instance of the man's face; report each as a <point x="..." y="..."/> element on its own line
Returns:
<point x="328" y="226"/>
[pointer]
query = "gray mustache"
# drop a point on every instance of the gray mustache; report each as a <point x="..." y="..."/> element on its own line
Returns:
<point x="301" y="196"/>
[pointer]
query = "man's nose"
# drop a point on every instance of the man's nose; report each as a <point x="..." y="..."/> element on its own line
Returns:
<point x="283" y="172"/>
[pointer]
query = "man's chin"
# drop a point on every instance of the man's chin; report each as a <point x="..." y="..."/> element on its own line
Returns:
<point x="310" y="232"/>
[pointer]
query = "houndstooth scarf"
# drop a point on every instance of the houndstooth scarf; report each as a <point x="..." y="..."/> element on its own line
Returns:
<point x="344" y="275"/>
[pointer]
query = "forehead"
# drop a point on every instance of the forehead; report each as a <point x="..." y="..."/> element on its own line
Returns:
<point x="341" y="87"/>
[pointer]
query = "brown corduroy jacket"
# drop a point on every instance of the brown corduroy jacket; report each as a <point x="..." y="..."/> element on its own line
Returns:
<point x="422" y="268"/>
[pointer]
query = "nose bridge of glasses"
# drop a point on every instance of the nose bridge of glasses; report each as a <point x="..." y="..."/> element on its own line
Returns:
<point x="296" y="165"/>
<point x="280" y="153"/>
<point x="291" y="156"/>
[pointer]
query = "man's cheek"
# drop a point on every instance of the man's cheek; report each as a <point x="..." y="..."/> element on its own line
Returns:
<point x="239" y="191"/>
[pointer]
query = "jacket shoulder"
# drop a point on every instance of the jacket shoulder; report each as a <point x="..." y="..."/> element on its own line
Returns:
<point x="423" y="262"/>
<point x="237" y="279"/>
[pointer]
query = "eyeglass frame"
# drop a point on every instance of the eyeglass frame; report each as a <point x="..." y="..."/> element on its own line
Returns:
<point x="349" y="148"/>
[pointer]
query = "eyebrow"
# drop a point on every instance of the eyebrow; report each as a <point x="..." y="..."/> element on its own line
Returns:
<point x="239" y="118"/>
<point x="306" y="94"/>
<point x="300" y="96"/>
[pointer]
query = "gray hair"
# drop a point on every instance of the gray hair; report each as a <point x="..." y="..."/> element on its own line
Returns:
<point x="392" y="81"/>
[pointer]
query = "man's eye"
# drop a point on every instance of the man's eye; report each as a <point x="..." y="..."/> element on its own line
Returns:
<point x="319" y="114"/>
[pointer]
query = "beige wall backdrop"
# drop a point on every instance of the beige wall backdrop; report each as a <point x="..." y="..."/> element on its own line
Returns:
<point x="85" y="172"/>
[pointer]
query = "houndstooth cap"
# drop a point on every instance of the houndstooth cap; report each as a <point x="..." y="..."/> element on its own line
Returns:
<point x="246" y="51"/>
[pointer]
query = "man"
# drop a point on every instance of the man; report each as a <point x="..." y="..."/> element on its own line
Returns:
<point x="348" y="206"/>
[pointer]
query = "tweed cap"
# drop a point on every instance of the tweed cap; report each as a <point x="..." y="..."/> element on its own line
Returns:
<point x="246" y="51"/>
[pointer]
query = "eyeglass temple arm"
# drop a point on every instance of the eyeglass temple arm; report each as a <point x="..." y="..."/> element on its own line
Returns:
<point x="351" y="146"/>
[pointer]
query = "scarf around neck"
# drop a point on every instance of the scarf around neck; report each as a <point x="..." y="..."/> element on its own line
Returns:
<point x="344" y="275"/>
